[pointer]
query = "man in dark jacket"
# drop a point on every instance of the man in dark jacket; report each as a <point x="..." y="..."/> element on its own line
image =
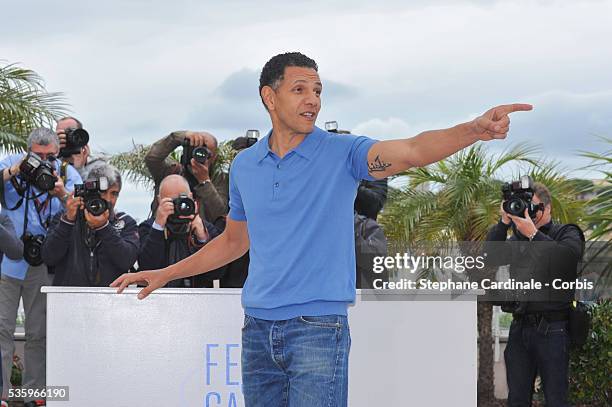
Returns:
<point x="371" y="197"/>
<point x="168" y="238"/>
<point x="538" y="341"/>
<point x="88" y="250"/>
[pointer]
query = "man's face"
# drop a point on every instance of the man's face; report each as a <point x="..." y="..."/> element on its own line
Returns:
<point x="297" y="101"/>
<point x="173" y="189"/>
<point x="542" y="217"/>
<point x="77" y="160"/>
<point x="111" y="195"/>
<point x="62" y="125"/>
<point x="48" y="152"/>
<point x="211" y="144"/>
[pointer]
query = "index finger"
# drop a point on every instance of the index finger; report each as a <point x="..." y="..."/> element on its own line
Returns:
<point x="122" y="282"/>
<point x="516" y="107"/>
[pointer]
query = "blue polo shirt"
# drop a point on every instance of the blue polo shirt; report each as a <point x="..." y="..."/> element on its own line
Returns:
<point x="49" y="206"/>
<point x="299" y="214"/>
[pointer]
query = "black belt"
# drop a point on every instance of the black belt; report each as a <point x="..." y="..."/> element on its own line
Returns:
<point x="534" y="319"/>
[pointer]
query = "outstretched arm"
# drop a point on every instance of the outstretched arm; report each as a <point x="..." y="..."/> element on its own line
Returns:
<point x="230" y="245"/>
<point x="388" y="158"/>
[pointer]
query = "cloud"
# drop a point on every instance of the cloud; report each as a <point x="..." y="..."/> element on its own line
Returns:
<point x="140" y="69"/>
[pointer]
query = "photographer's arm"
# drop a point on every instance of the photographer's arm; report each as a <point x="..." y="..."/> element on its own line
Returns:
<point x="151" y="254"/>
<point x="156" y="159"/>
<point x="57" y="241"/>
<point x="212" y="200"/>
<point x="230" y="245"/>
<point x="391" y="157"/>
<point x="10" y="172"/>
<point x="121" y="247"/>
<point x="10" y="244"/>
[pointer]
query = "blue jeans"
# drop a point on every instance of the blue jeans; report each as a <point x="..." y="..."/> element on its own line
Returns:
<point x="300" y="362"/>
<point x="530" y="352"/>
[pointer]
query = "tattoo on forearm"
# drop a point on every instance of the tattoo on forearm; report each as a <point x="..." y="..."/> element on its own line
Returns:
<point x="378" y="165"/>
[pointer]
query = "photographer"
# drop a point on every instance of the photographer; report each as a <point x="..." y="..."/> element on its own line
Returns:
<point x="541" y="250"/>
<point x="175" y="233"/>
<point x="210" y="191"/>
<point x="90" y="245"/>
<point x="74" y="146"/>
<point x="31" y="194"/>
<point x="371" y="197"/>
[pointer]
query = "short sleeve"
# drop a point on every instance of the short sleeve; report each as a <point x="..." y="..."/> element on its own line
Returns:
<point x="72" y="178"/>
<point x="358" y="157"/>
<point x="236" y="211"/>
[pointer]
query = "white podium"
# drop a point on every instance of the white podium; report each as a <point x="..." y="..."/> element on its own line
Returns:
<point x="181" y="347"/>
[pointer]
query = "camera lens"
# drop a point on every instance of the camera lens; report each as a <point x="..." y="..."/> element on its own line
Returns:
<point x="32" y="249"/>
<point x="45" y="181"/>
<point x="96" y="206"/>
<point x="201" y="154"/>
<point x="516" y="207"/>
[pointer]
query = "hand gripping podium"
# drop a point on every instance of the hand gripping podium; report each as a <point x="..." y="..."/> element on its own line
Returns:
<point x="181" y="347"/>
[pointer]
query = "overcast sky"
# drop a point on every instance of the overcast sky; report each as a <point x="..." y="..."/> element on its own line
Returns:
<point x="136" y="70"/>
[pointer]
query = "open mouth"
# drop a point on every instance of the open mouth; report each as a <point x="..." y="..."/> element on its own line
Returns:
<point x="308" y="115"/>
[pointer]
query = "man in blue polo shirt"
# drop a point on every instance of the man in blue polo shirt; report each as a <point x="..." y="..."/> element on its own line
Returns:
<point x="291" y="203"/>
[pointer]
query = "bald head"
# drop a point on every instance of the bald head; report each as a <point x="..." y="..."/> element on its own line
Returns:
<point x="172" y="186"/>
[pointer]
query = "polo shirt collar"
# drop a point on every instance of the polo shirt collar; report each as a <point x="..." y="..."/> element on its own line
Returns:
<point x="306" y="148"/>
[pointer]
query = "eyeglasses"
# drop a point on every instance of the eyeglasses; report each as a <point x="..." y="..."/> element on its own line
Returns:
<point x="46" y="156"/>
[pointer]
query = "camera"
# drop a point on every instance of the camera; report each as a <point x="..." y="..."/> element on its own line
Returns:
<point x="200" y="154"/>
<point x="75" y="140"/>
<point x="247" y="141"/>
<point x="183" y="206"/>
<point x="37" y="172"/>
<point x="332" y="126"/>
<point x="32" y="248"/>
<point x="518" y="196"/>
<point x="90" y="192"/>
<point x="177" y="227"/>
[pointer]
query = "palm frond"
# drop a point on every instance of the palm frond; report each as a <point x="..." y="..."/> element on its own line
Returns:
<point x="24" y="105"/>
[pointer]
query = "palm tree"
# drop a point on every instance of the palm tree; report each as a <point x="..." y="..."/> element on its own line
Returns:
<point x="457" y="200"/>
<point x="599" y="216"/>
<point x="601" y="204"/>
<point x="25" y="105"/>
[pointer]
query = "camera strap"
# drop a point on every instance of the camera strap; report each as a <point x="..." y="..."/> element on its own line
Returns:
<point x="25" y="212"/>
<point x="21" y="191"/>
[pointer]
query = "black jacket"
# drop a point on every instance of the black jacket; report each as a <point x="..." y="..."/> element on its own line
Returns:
<point x="371" y="198"/>
<point x="554" y="253"/>
<point x="112" y="251"/>
<point x="155" y="253"/>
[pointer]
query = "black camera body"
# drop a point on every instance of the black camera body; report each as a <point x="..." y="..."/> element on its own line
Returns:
<point x="75" y="140"/>
<point x="518" y="196"/>
<point x="200" y="154"/>
<point x="183" y="206"/>
<point x="247" y="141"/>
<point x="32" y="248"/>
<point x="178" y="228"/>
<point x="90" y="192"/>
<point x="37" y="172"/>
